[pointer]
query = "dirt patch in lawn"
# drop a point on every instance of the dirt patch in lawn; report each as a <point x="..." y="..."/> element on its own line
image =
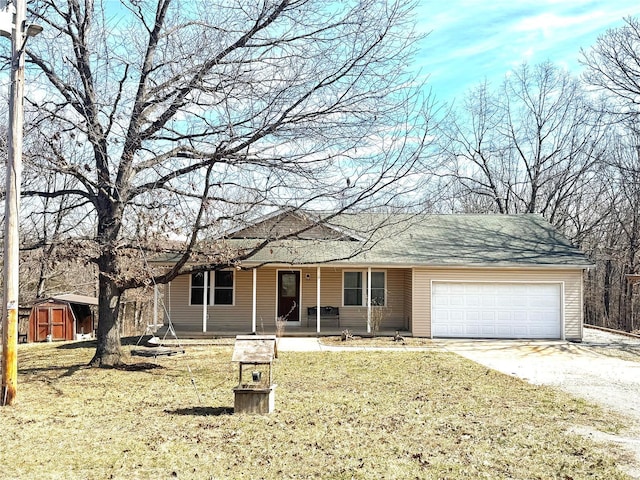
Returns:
<point x="378" y="414"/>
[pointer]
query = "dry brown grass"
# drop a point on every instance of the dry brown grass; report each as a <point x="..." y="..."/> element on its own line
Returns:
<point x="338" y="415"/>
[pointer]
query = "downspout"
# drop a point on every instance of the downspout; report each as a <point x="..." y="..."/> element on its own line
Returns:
<point x="318" y="299"/>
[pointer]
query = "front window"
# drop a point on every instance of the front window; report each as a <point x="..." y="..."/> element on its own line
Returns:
<point x="223" y="288"/>
<point x="377" y="289"/>
<point x="197" y="287"/>
<point x="354" y="293"/>
<point x="353" y="288"/>
<point x="219" y="288"/>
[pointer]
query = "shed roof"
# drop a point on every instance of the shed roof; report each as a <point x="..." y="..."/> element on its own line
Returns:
<point x="74" y="298"/>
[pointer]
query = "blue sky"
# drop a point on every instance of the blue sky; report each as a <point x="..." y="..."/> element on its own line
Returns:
<point x="474" y="40"/>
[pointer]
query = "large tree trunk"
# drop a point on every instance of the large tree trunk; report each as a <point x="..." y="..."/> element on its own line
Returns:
<point x="606" y="292"/>
<point x="108" y="352"/>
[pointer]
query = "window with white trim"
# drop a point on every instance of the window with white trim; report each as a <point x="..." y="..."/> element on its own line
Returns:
<point x="353" y="288"/>
<point x="378" y="289"/>
<point x="197" y="288"/>
<point x="223" y="287"/>
<point x="355" y="292"/>
<point x="219" y="288"/>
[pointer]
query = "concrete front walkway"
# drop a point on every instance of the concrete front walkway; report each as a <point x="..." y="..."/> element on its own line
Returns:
<point x="299" y="344"/>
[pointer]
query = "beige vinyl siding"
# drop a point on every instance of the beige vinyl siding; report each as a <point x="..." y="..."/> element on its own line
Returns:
<point x="574" y="306"/>
<point x="266" y="298"/>
<point x="570" y="278"/>
<point x="395" y="318"/>
<point x="236" y="317"/>
<point x="421" y="304"/>
<point x="408" y="299"/>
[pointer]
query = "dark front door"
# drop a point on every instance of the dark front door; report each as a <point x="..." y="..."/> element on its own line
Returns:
<point x="289" y="296"/>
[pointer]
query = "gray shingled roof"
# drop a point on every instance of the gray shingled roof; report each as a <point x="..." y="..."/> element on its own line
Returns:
<point x="437" y="240"/>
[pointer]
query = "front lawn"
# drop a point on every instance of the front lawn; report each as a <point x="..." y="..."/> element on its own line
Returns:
<point x="339" y="415"/>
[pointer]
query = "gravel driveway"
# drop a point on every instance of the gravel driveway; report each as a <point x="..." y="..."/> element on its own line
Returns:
<point x="602" y="370"/>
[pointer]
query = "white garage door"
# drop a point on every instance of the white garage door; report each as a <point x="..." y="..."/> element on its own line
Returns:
<point x="496" y="310"/>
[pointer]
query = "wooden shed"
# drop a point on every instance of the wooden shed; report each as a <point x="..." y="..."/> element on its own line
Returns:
<point x="63" y="317"/>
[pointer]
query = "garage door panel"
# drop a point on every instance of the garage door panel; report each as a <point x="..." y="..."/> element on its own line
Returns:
<point x="456" y="300"/>
<point x="472" y="330"/>
<point x="457" y="330"/>
<point x="520" y="301"/>
<point x="473" y="316"/>
<point x="488" y="300"/>
<point x="485" y="330"/>
<point x="503" y="331"/>
<point x="496" y="310"/>
<point x="473" y="300"/>
<point x="520" y="331"/>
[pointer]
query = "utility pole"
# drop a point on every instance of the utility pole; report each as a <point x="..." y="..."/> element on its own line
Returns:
<point x="13" y="25"/>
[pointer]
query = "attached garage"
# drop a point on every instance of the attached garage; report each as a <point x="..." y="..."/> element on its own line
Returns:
<point x="496" y="310"/>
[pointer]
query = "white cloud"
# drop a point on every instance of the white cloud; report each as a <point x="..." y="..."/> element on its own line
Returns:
<point x="471" y="41"/>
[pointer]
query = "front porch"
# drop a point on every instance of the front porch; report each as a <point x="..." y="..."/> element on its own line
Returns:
<point x="257" y="301"/>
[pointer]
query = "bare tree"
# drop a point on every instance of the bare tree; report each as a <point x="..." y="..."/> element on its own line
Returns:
<point x="527" y="147"/>
<point x="47" y="222"/>
<point x="614" y="240"/>
<point x="613" y="68"/>
<point x="178" y="120"/>
<point x="476" y="155"/>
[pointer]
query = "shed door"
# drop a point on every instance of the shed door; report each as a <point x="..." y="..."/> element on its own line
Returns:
<point x="51" y="320"/>
<point x="496" y="310"/>
<point x="289" y="295"/>
<point x="42" y="324"/>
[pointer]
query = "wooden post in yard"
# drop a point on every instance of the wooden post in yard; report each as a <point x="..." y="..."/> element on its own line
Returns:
<point x="12" y="25"/>
<point x="12" y="200"/>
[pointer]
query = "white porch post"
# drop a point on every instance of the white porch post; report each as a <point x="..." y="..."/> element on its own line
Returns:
<point x="254" y="304"/>
<point x="205" y="301"/>
<point x="369" y="300"/>
<point x="318" y="299"/>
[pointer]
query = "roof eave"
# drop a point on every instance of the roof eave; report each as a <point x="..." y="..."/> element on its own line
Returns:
<point x="420" y="265"/>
